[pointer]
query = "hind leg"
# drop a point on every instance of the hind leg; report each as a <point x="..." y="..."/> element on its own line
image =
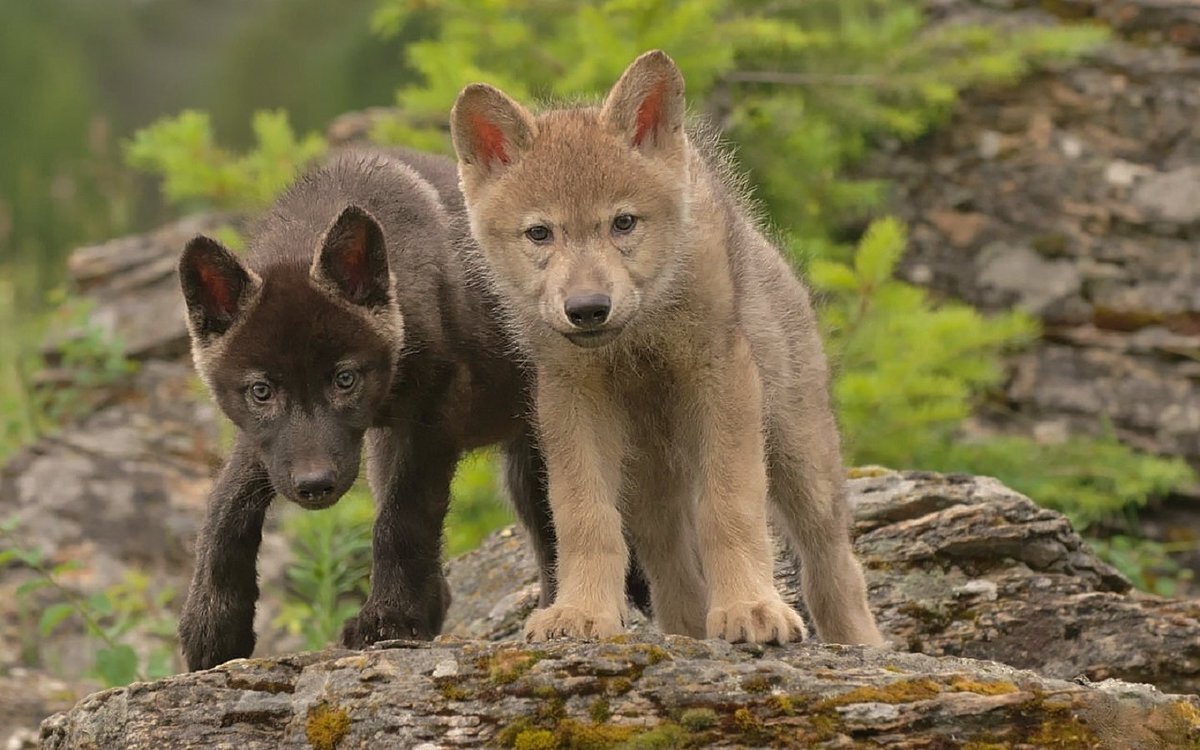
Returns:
<point x="525" y="475"/>
<point x="807" y="490"/>
<point x="661" y="527"/>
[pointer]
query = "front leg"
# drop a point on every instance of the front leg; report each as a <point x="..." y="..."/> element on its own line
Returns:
<point x="410" y="478"/>
<point x="584" y="443"/>
<point x="735" y="544"/>
<point x="217" y="622"/>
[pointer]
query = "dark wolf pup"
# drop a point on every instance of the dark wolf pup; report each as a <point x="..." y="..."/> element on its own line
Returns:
<point x="351" y="320"/>
<point x="680" y="378"/>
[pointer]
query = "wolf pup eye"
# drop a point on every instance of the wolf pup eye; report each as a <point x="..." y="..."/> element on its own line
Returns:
<point x="624" y="223"/>
<point x="539" y="233"/>
<point x="345" y="379"/>
<point x="261" y="392"/>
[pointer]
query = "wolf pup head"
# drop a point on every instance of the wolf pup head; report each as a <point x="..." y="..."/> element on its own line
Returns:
<point x="299" y="358"/>
<point x="580" y="212"/>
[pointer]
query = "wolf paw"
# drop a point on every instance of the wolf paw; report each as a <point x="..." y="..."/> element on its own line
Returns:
<point x="763" y="621"/>
<point x="374" y="624"/>
<point x="215" y="627"/>
<point x="565" y="621"/>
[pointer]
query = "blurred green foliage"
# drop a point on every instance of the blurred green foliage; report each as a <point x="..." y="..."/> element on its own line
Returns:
<point x="132" y="621"/>
<point x="198" y="174"/>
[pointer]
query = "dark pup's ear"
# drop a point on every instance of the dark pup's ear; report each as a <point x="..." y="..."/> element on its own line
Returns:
<point x="216" y="286"/>
<point x="490" y="130"/>
<point x="647" y="105"/>
<point x="352" y="260"/>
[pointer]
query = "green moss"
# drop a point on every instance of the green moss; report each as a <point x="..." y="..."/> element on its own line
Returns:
<point x="545" y="692"/>
<point x="746" y="721"/>
<point x="863" y="472"/>
<point x="663" y="737"/>
<point x="967" y="685"/>
<point x="449" y="689"/>
<point x="618" y="686"/>
<point x="507" y="664"/>
<point x="756" y="684"/>
<point x="600" y="711"/>
<point x="1064" y="734"/>
<point x="698" y="719"/>
<point x="535" y="739"/>
<point x="325" y="726"/>
<point x="902" y="691"/>
<point x="783" y="704"/>
<point x="1177" y="724"/>
<point x="551" y="711"/>
<point x="935" y="621"/>
<point x="575" y="735"/>
<point x="507" y="736"/>
<point x="825" y="726"/>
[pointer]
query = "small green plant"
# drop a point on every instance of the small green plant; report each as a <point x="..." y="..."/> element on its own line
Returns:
<point x="329" y="576"/>
<point x="85" y="360"/>
<point x="907" y="371"/>
<point x="88" y="358"/>
<point x="476" y="505"/>
<point x="1147" y="563"/>
<point x="199" y="174"/>
<point x="331" y="567"/>
<point x="111" y="616"/>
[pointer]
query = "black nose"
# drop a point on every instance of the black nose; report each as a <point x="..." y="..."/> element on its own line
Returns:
<point x="588" y="310"/>
<point x="314" y="485"/>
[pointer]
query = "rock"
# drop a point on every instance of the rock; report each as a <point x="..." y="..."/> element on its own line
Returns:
<point x="1076" y="196"/>
<point x="955" y="565"/>
<point x="135" y="288"/>
<point x="648" y="691"/>
<point x="1172" y="197"/>
<point x="1034" y="282"/>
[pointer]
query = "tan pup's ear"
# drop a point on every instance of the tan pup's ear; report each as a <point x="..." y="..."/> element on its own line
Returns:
<point x="647" y="105"/>
<point x="490" y="132"/>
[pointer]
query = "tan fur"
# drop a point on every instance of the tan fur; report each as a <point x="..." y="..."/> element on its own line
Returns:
<point x="704" y="393"/>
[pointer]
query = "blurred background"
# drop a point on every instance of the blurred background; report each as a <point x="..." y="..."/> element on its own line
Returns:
<point x="996" y="206"/>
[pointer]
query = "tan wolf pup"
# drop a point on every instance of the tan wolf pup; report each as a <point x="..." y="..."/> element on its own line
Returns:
<point x="680" y="376"/>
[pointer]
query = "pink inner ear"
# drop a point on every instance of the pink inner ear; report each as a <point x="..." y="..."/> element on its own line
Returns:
<point x="220" y="291"/>
<point x="489" y="139"/>
<point x="650" y="113"/>
<point x="354" y="258"/>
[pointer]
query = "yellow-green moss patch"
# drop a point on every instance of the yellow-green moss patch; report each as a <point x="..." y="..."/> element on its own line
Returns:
<point x="756" y="683"/>
<point x="698" y="719"/>
<point x="967" y="685"/>
<point x="902" y="691"/>
<point x="535" y="739"/>
<point x="599" y="711"/>
<point x="325" y="726"/>
<point x="1064" y="734"/>
<point x="507" y="664"/>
